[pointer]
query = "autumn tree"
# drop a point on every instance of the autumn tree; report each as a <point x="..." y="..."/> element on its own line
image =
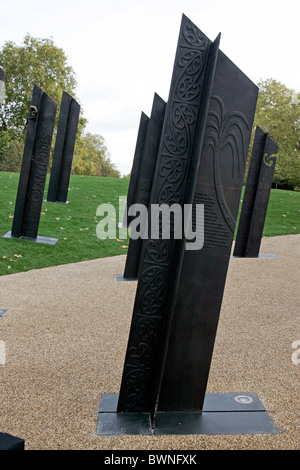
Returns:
<point x="37" y="61"/>
<point x="278" y="113"/>
<point x="40" y="61"/>
<point x="91" y="157"/>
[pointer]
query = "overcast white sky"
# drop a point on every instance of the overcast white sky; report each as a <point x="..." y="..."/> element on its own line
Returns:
<point x="122" y="51"/>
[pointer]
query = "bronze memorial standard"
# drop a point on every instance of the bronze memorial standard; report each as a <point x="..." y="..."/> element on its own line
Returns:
<point x="142" y="191"/>
<point x="63" y="150"/>
<point x="33" y="172"/>
<point x="200" y="160"/>
<point x="256" y="197"/>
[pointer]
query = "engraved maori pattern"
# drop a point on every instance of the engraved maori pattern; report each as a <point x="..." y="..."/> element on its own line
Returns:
<point x="37" y="190"/>
<point x="182" y="116"/>
<point x="226" y="130"/>
<point x="169" y="186"/>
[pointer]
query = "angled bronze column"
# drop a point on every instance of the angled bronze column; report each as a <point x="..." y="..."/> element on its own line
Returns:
<point x="174" y="180"/>
<point x="203" y="274"/>
<point x="34" y="165"/>
<point x="145" y="179"/>
<point x="256" y="196"/>
<point x="2" y="86"/>
<point x="201" y="160"/>
<point x="64" y="149"/>
<point x="132" y="188"/>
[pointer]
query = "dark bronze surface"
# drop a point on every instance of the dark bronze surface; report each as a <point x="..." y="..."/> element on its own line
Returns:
<point x="145" y="180"/>
<point x="223" y="413"/>
<point x="201" y="160"/>
<point x="2" y="88"/>
<point x="38" y="239"/>
<point x="34" y="165"/>
<point x="9" y="442"/>
<point x="64" y="149"/>
<point x="173" y="183"/>
<point x="203" y="274"/>
<point x="135" y="170"/>
<point x="256" y="196"/>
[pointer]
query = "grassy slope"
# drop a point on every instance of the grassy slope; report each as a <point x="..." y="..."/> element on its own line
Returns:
<point x="74" y="224"/>
<point x="283" y="213"/>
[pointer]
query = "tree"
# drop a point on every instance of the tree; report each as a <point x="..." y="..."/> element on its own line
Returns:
<point x="40" y="61"/>
<point x="91" y="157"/>
<point x="278" y="113"/>
<point x="35" y="61"/>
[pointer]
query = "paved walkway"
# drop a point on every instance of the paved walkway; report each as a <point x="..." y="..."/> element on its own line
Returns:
<point x="65" y="335"/>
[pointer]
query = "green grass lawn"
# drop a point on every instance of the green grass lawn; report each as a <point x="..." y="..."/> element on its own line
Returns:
<point x="283" y="213"/>
<point x="74" y="224"/>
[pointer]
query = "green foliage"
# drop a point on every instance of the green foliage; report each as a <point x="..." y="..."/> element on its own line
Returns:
<point x="11" y="151"/>
<point x="92" y="158"/>
<point x="35" y="61"/>
<point x="278" y="113"/>
<point x="40" y="61"/>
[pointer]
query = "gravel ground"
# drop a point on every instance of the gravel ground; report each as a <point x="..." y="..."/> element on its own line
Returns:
<point x="65" y="335"/>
